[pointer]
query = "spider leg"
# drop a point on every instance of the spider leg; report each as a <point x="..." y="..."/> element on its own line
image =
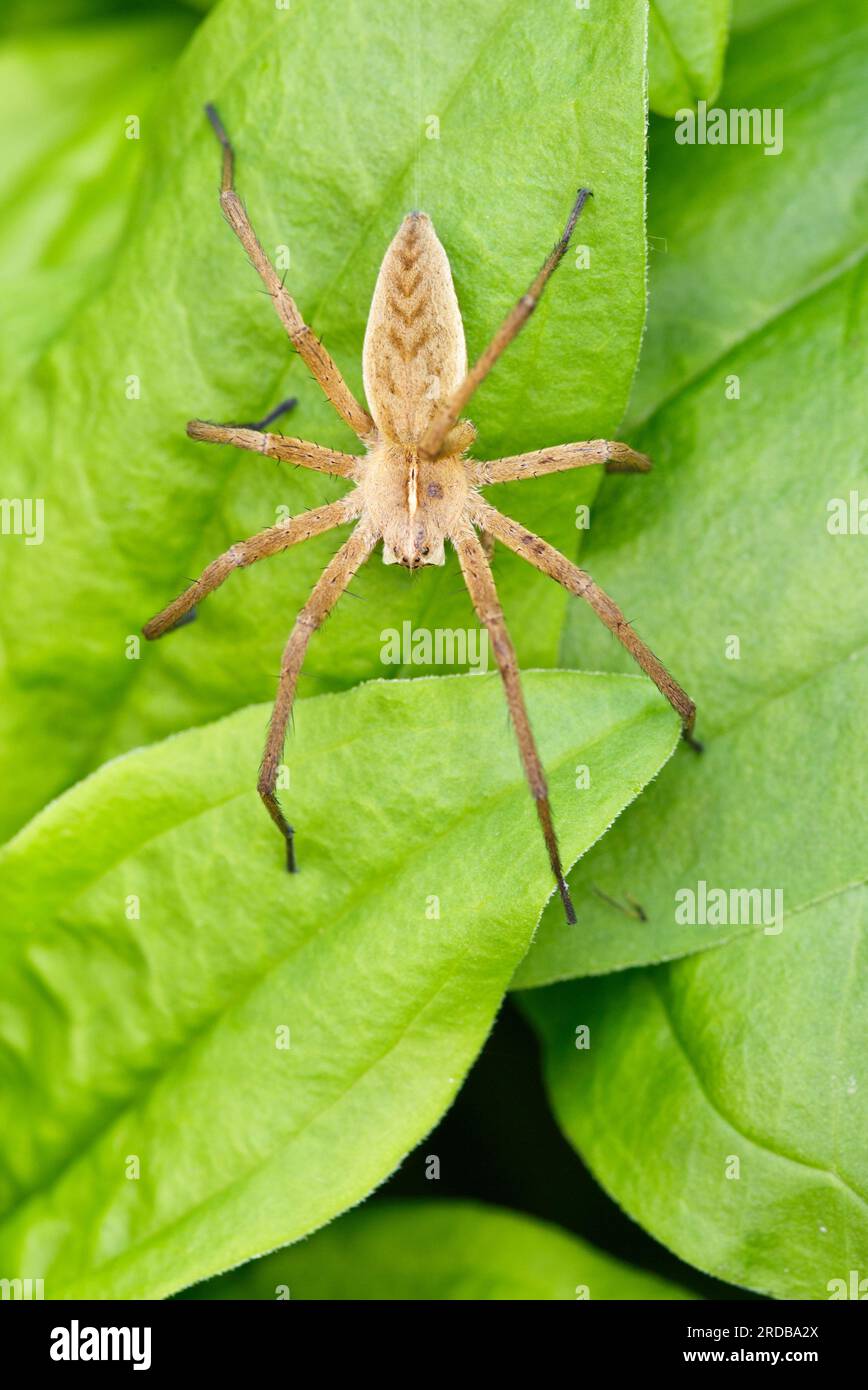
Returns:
<point x="303" y="340"/>
<point x="276" y="446"/>
<point x="447" y="415"/>
<point x="264" y="543"/>
<point x="487" y="543"/>
<point x="551" y="562"/>
<point x="331" y="584"/>
<point x="480" y="584"/>
<point x="618" y="458"/>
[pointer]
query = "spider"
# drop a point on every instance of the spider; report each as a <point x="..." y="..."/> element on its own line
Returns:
<point x="416" y="487"/>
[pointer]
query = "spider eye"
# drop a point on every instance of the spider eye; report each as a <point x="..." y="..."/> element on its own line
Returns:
<point x="424" y="549"/>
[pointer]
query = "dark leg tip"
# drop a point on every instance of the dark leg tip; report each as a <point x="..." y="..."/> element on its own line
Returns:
<point x="215" y="121"/>
<point x="638" y="909"/>
<point x="567" y="901"/>
<point x="692" y="742"/>
<point x="282" y="409"/>
<point x="291" y="866"/>
<point x="189" y="617"/>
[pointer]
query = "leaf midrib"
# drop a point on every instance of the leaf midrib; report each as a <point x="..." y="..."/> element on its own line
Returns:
<point x="759" y="1143"/>
<point x="850" y="262"/>
<point x="349" y="908"/>
<point x="284" y="1141"/>
<point x="556" y="977"/>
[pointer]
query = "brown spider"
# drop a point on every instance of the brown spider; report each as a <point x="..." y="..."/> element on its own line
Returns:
<point x="415" y="488"/>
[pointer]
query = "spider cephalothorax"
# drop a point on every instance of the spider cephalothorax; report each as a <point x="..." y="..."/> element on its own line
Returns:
<point x="415" y="487"/>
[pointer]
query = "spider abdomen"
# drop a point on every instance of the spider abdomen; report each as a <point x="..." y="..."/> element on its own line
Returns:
<point x="414" y="353"/>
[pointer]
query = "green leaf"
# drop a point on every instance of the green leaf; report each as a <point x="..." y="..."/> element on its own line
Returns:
<point x="331" y="124"/>
<point x="436" y="1251"/>
<point x="67" y="173"/>
<point x="721" y="1101"/>
<point x="728" y="538"/>
<point x="750" y="14"/>
<point x="737" y="236"/>
<point x="22" y="17"/>
<point x="154" y="947"/>
<point x="686" y="46"/>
